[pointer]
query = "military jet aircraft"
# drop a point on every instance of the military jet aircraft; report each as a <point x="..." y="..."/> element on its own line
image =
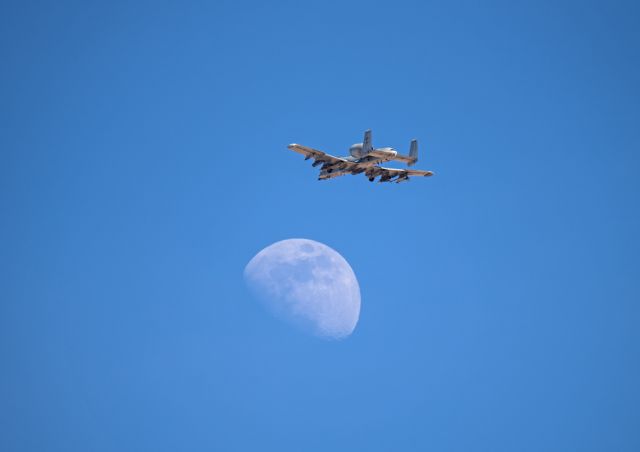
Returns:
<point x="364" y="158"/>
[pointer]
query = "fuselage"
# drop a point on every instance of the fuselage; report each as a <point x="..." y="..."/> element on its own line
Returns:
<point x="364" y="159"/>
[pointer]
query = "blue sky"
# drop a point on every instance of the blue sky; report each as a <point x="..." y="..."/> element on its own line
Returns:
<point x="144" y="163"/>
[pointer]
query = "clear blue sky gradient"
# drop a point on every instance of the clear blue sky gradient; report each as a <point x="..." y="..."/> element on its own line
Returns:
<point x="144" y="162"/>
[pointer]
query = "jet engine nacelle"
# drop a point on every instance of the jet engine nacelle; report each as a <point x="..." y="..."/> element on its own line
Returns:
<point x="356" y="151"/>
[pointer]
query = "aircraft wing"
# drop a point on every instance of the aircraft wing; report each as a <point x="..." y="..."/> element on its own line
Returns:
<point x="387" y="174"/>
<point x="315" y="154"/>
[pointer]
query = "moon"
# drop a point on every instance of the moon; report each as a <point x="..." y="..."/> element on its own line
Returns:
<point x="308" y="285"/>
